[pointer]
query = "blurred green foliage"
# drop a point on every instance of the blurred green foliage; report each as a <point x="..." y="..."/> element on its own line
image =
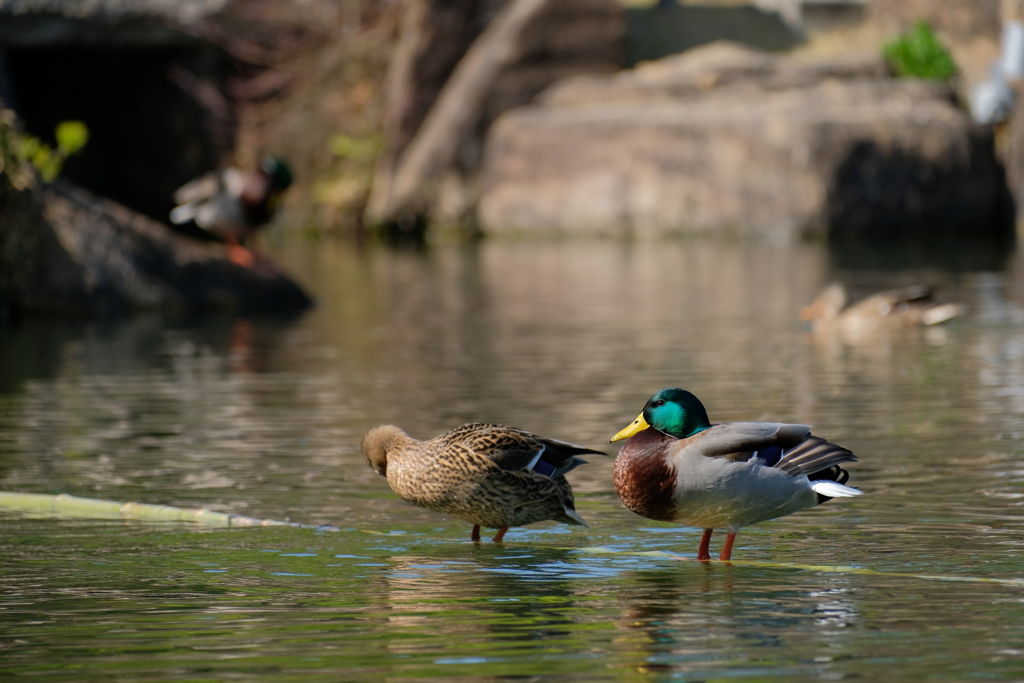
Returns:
<point x="18" y="149"/>
<point x="71" y="137"/>
<point x="357" y="149"/>
<point x="24" y="159"/>
<point x="918" y="53"/>
<point x="344" y="191"/>
<point x="19" y="238"/>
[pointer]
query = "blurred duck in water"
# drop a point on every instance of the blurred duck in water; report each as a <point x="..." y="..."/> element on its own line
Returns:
<point x="486" y="474"/>
<point x="891" y="309"/>
<point x="233" y="204"/>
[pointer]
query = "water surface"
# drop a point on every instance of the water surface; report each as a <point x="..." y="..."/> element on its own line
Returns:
<point x="921" y="579"/>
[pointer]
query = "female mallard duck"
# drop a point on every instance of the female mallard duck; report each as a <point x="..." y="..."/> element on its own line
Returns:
<point x="486" y="474"/>
<point x="678" y="467"/>
<point x="891" y="309"/>
<point x="233" y="204"/>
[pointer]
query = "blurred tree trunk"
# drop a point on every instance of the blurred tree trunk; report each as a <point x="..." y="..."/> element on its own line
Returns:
<point x="460" y="65"/>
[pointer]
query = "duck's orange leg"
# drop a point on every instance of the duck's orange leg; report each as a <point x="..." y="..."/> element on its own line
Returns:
<point x="239" y="254"/>
<point x="727" y="548"/>
<point x="501" y="534"/>
<point x="704" y="550"/>
<point x="476" y="533"/>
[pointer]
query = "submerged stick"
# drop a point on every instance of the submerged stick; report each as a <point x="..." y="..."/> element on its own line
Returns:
<point x="826" y="569"/>
<point x="64" y="505"/>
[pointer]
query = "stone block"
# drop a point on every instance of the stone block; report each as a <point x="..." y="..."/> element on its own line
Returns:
<point x="787" y="151"/>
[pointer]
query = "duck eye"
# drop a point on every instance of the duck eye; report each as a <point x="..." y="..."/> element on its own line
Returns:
<point x="658" y="403"/>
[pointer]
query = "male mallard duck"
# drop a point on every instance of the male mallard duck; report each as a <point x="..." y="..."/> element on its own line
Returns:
<point x="894" y="308"/>
<point x="678" y="467"/>
<point x="486" y="474"/>
<point x="233" y="204"/>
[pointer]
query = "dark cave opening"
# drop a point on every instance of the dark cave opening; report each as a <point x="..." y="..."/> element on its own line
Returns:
<point x="156" y="115"/>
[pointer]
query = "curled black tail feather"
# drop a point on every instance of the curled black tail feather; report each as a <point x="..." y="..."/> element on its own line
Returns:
<point x="819" y="460"/>
<point x="834" y="473"/>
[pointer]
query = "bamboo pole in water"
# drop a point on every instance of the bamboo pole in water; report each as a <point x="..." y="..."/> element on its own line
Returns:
<point x="64" y="505"/>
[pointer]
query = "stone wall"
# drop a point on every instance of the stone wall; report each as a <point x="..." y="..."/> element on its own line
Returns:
<point x="725" y="140"/>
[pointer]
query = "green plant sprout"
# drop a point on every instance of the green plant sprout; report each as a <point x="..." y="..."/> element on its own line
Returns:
<point x="71" y="138"/>
<point x="918" y="53"/>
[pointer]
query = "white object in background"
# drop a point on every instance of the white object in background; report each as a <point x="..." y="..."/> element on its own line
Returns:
<point x="992" y="100"/>
<point x="1012" y="53"/>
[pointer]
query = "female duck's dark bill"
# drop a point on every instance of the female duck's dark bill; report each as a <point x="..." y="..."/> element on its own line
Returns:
<point x="639" y="425"/>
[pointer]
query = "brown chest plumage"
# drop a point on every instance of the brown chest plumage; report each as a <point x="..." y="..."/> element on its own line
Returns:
<point x="643" y="480"/>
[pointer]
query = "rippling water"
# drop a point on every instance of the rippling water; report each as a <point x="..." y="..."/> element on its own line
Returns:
<point x="921" y="579"/>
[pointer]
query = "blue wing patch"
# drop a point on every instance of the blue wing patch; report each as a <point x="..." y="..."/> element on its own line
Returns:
<point x="544" y="468"/>
<point x="770" y="456"/>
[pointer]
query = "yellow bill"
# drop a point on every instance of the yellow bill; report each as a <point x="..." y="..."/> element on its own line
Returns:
<point x="638" y="425"/>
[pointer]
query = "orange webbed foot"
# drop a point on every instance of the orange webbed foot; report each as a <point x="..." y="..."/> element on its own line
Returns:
<point x="241" y="256"/>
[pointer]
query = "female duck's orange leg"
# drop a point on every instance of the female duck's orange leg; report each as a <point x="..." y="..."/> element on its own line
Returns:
<point x="239" y="254"/>
<point x="704" y="550"/>
<point x="500" y="535"/>
<point x="727" y="548"/>
<point x="476" y="533"/>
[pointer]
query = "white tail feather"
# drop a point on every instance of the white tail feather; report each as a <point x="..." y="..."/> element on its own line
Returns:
<point x="834" y="490"/>
<point x="940" y="314"/>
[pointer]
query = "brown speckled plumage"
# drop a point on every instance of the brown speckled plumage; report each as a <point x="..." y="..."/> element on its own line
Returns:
<point x="481" y="473"/>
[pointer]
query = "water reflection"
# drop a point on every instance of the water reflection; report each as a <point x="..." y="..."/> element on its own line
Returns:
<point x="519" y="599"/>
<point x="694" y="620"/>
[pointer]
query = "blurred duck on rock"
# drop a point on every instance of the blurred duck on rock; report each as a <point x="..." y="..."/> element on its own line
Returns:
<point x="233" y="204"/>
<point x="892" y="309"/>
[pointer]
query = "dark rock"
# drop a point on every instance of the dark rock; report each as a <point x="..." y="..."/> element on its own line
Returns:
<point x="84" y="255"/>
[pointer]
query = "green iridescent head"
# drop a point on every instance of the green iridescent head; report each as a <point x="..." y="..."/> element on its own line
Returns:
<point x="673" y="411"/>
<point x="279" y="172"/>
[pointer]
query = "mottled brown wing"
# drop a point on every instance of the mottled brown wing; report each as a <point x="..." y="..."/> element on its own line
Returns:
<point x="563" y="457"/>
<point x="507" y="447"/>
<point x="882" y="303"/>
<point x="907" y="294"/>
<point x="516" y="449"/>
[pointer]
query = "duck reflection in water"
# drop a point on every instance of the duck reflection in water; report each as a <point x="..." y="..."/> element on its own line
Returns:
<point x="444" y="599"/>
<point x="699" y="622"/>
